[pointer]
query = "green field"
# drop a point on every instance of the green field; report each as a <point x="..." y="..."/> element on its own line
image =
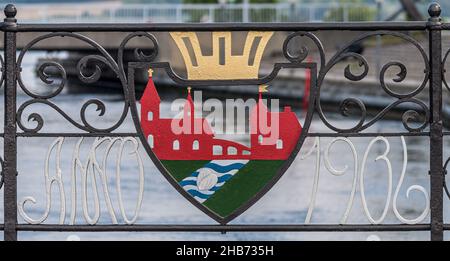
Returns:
<point x="181" y="169"/>
<point x="238" y="190"/>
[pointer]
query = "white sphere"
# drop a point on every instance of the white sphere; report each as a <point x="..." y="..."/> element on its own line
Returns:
<point x="206" y="179"/>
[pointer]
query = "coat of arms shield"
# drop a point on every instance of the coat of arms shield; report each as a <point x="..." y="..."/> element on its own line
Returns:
<point x="221" y="175"/>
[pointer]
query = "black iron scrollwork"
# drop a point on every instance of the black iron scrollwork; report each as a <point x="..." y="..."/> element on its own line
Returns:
<point x="304" y="52"/>
<point x="1" y="172"/>
<point x="139" y="55"/>
<point x="445" y="183"/>
<point x="343" y="54"/>
<point x="294" y="62"/>
<point x="2" y="69"/>
<point x="92" y="77"/>
<point x="118" y="68"/>
<point x="444" y="61"/>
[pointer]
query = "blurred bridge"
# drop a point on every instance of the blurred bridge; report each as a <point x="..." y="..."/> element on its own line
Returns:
<point x="115" y="11"/>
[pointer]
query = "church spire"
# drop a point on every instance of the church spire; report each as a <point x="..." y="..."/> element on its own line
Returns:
<point x="189" y="109"/>
<point x="262" y="88"/>
<point x="151" y="96"/>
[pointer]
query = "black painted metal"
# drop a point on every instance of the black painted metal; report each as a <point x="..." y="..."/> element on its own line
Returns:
<point x="227" y="228"/>
<point x="10" y="140"/>
<point x="436" y="136"/>
<point x="353" y="26"/>
<point x="431" y="114"/>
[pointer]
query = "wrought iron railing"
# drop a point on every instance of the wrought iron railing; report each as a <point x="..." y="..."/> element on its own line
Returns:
<point x="426" y="120"/>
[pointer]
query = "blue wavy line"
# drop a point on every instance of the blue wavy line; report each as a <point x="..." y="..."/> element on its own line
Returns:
<point x="196" y="193"/>
<point x="224" y="178"/>
<point x="215" y="188"/>
<point x="188" y="182"/>
<point x="216" y="167"/>
<point x="221" y="179"/>
<point x="224" y="169"/>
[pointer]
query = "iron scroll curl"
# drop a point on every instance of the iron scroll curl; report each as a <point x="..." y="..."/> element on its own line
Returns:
<point x="59" y="72"/>
<point x="362" y="123"/>
<point x="2" y="70"/>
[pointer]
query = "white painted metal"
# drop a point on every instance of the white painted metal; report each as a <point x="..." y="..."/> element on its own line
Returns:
<point x="342" y="172"/>
<point x="90" y="169"/>
<point x="426" y="210"/>
<point x="134" y="152"/>
<point x="49" y="180"/>
<point x="314" y="147"/>
<point x="359" y="171"/>
<point x="389" y="169"/>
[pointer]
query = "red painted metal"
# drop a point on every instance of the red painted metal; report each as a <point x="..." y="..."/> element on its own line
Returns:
<point x="305" y="102"/>
<point x="161" y="135"/>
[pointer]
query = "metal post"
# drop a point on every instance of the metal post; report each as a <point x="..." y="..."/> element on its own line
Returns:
<point x="345" y="15"/>
<point x="436" y="137"/>
<point x="145" y="15"/>
<point x="278" y="14"/>
<point x="378" y="43"/>
<point x="210" y="14"/>
<point x="179" y="14"/>
<point x="112" y="15"/>
<point x="245" y="11"/>
<point x="10" y="145"/>
<point x="293" y="12"/>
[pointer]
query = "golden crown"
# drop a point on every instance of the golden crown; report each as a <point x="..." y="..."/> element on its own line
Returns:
<point x="221" y="65"/>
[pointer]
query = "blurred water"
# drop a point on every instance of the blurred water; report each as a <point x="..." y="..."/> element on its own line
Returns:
<point x="286" y="203"/>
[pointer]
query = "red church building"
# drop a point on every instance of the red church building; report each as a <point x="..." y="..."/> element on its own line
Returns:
<point x="200" y="143"/>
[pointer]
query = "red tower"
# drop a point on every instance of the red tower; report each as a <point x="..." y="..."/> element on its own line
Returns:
<point x="273" y="134"/>
<point x="191" y="138"/>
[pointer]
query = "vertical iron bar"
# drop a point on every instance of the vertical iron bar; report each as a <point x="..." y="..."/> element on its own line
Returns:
<point x="10" y="145"/>
<point x="378" y="40"/>
<point x="436" y="137"/>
